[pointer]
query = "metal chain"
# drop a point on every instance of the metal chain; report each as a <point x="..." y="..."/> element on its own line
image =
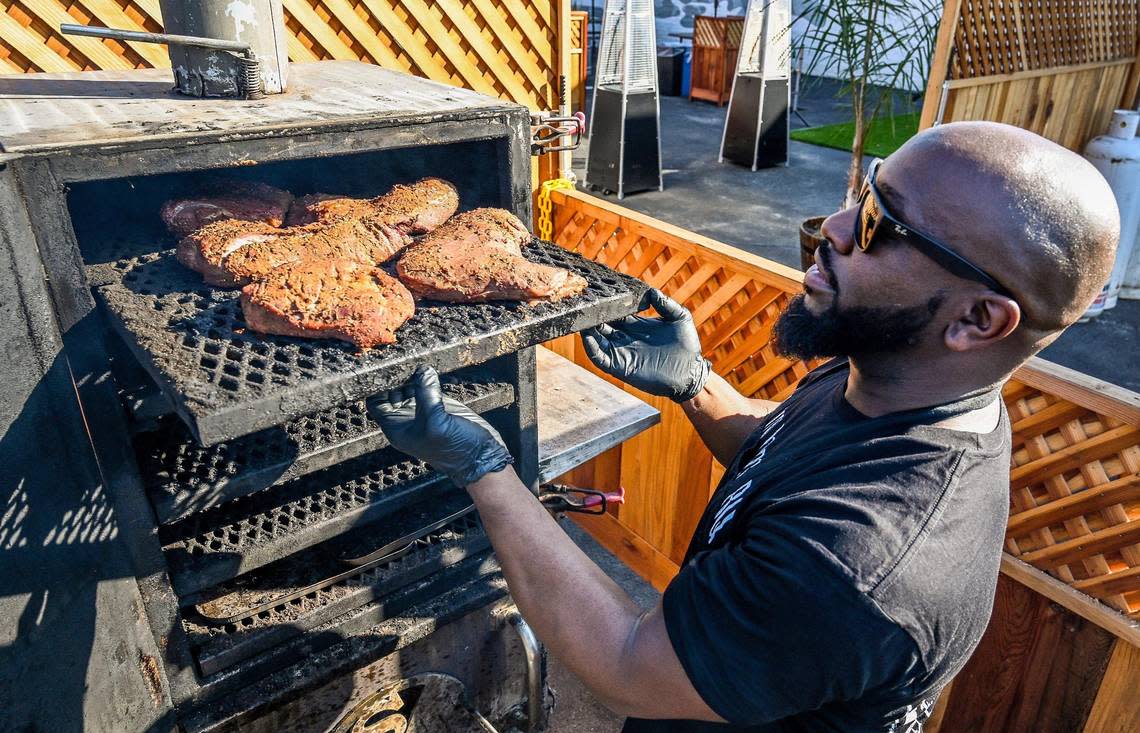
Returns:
<point x="545" y="223"/>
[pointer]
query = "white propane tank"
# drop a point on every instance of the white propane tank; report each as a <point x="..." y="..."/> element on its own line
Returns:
<point x="1117" y="156"/>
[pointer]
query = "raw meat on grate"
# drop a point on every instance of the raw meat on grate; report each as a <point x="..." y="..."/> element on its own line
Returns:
<point x="477" y="256"/>
<point x="253" y="202"/>
<point x="342" y="299"/>
<point x="230" y="253"/>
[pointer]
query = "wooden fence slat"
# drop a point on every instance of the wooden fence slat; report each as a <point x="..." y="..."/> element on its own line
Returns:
<point x="497" y="23"/>
<point x="92" y="48"/>
<point x="363" y="33"/>
<point x="490" y="56"/>
<point x="316" y="26"/>
<point x="31" y="46"/>
<point x="110" y="13"/>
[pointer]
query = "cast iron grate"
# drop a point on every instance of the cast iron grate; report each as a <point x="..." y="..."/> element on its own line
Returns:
<point x="225" y="381"/>
<point x="184" y="478"/>
<point x="218" y="646"/>
<point x="211" y="547"/>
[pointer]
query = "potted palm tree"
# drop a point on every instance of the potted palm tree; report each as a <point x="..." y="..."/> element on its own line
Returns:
<point x="877" y="48"/>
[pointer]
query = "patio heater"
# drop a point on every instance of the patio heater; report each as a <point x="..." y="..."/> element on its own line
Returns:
<point x="625" y="128"/>
<point x="756" y="126"/>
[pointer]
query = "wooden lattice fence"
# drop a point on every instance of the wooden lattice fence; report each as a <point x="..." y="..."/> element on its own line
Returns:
<point x="1056" y="67"/>
<point x="506" y="48"/>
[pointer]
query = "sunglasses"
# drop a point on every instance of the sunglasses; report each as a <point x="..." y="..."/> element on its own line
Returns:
<point x="872" y="217"/>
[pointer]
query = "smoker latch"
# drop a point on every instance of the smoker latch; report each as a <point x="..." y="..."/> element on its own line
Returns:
<point x="566" y="498"/>
<point x="550" y="133"/>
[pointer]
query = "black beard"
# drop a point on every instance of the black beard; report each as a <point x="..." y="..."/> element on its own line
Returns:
<point x="801" y="334"/>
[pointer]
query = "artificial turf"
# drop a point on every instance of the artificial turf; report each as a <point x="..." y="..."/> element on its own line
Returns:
<point x="884" y="137"/>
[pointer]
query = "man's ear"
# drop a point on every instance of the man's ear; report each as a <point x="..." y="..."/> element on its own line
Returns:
<point x="990" y="319"/>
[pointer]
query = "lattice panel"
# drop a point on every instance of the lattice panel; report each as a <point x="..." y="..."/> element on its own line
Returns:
<point x="505" y="48"/>
<point x="734" y="314"/>
<point x="1009" y="36"/>
<point x="717" y="32"/>
<point x="1075" y="494"/>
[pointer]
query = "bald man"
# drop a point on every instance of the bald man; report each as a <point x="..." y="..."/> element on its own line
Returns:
<point x="845" y="568"/>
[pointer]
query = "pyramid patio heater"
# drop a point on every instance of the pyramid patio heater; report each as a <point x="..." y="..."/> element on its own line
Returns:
<point x="756" y="126"/>
<point x="625" y="130"/>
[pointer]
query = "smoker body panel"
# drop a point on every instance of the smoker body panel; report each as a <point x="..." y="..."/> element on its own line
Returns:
<point x="83" y="192"/>
<point x="64" y="569"/>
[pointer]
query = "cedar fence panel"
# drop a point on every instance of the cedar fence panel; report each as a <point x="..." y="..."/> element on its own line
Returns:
<point x="505" y="48"/>
<point x="1056" y="67"/>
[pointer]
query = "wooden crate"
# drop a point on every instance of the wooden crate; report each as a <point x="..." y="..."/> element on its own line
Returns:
<point x="579" y="54"/>
<point x="716" y="43"/>
<point x="505" y="48"/>
<point x="1056" y="68"/>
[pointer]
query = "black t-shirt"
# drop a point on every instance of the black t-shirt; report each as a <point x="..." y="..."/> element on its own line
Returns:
<point x="845" y="568"/>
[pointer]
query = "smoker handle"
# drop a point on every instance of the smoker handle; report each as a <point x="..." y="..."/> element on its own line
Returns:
<point x="146" y="37"/>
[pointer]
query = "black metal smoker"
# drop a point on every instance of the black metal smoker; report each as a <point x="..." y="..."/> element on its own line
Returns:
<point x="201" y="527"/>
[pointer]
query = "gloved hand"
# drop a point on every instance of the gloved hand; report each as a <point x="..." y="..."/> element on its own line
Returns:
<point x="444" y="433"/>
<point x="661" y="356"/>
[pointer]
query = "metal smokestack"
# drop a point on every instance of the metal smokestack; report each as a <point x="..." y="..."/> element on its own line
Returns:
<point x="205" y="72"/>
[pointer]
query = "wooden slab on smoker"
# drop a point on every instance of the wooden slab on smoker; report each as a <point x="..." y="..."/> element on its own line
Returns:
<point x="225" y="381"/>
<point x="581" y="415"/>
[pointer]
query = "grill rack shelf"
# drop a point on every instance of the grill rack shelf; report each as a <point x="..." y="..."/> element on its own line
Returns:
<point x="219" y="646"/>
<point x="351" y="639"/>
<point x="225" y="381"/>
<point x="211" y="547"/>
<point x="184" y="478"/>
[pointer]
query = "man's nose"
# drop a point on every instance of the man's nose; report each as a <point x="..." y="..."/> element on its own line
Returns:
<point x="839" y="229"/>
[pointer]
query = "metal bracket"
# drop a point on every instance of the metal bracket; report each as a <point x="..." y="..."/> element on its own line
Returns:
<point x="547" y="130"/>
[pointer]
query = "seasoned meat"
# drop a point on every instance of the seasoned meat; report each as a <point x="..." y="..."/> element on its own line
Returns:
<point x="206" y="249"/>
<point x="303" y="210"/>
<point x="231" y="253"/>
<point x="477" y="256"/>
<point x="340" y="299"/>
<point x="226" y="200"/>
<point x="414" y="209"/>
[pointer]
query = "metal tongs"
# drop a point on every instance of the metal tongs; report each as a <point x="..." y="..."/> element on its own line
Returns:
<point x="548" y="129"/>
<point x="565" y="498"/>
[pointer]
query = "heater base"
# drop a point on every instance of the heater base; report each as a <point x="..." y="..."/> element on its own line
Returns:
<point x="624" y="152"/>
<point x="756" y="129"/>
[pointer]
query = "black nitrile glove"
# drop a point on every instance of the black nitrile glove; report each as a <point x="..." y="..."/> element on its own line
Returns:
<point x="444" y="433"/>
<point x="661" y="356"/>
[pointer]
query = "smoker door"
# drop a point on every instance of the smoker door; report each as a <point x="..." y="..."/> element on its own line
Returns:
<point x="75" y="649"/>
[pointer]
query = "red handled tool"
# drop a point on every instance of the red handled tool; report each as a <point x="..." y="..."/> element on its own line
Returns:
<point x="566" y="498"/>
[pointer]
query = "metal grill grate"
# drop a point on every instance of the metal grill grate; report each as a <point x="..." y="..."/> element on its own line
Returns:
<point x="217" y="646"/>
<point x="225" y="381"/>
<point x="211" y="547"/>
<point x="184" y="478"/>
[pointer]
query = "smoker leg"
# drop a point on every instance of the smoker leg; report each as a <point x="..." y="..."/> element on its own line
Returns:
<point x="533" y="671"/>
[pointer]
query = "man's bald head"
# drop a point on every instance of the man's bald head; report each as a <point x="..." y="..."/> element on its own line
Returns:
<point x="1036" y="216"/>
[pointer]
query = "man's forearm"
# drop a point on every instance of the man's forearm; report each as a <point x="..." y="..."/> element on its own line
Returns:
<point x="724" y="418"/>
<point x="575" y="608"/>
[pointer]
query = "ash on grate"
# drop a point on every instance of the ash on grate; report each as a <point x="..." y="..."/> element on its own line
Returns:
<point x="226" y="381"/>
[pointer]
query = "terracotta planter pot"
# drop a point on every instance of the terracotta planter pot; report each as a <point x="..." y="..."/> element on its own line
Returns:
<point x="810" y="238"/>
